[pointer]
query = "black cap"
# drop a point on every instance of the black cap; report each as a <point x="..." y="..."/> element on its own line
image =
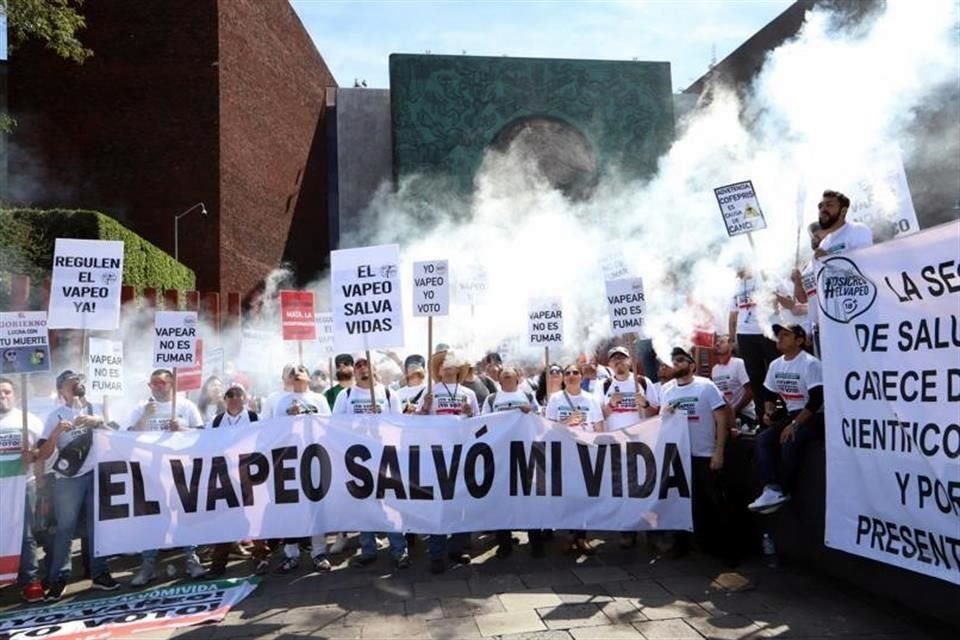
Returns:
<point x="795" y="329"/>
<point x="343" y="359"/>
<point x="680" y="352"/>
<point x="618" y="351"/>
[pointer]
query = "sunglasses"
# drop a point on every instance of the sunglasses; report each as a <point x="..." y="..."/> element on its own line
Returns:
<point x="556" y="372"/>
<point x="233" y="394"/>
<point x="571" y="373"/>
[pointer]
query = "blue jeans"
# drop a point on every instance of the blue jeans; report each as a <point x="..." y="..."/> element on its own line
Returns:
<point x="72" y="496"/>
<point x="28" y="548"/>
<point x="778" y="464"/>
<point x="438" y="545"/>
<point x="368" y="544"/>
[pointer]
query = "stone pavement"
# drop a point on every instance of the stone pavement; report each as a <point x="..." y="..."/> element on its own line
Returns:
<point x="614" y="594"/>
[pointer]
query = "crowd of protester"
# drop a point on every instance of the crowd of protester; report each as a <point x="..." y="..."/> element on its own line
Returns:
<point x="767" y="390"/>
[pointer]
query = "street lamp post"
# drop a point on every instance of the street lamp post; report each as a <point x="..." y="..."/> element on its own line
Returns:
<point x="176" y="228"/>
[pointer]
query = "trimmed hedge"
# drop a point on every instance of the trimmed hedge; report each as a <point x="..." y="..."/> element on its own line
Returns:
<point x="27" y="242"/>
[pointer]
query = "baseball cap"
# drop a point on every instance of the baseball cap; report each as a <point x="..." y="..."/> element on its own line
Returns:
<point x="618" y="351"/>
<point x="680" y="352"/>
<point x="795" y="329"/>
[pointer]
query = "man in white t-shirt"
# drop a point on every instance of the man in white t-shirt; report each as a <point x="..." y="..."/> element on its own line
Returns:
<point x="628" y="398"/>
<point x="757" y="350"/>
<point x="707" y="419"/>
<point x="796" y="380"/>
<point x="157" y="414"/>
<point x="12" y="447"/>
<point x="730" y="376"/>
<point x="841" y="236"/>
<point x="301" y="400"/>
<point x="267" y="405"/>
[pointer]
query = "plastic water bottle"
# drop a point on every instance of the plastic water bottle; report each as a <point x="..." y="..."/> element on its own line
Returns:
<point x="769" y="551"/>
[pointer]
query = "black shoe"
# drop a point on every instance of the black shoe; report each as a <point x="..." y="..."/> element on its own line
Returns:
<point x="459" y="558"/>
<point x="437" y="565"/>
<point x="55" y="592"/>
<point x="361" y="561"/>
<point x="215" y="571"/>
<point x="105" y="582"/>
<point x="504" y="551"/>
<point x="403" y="562"/>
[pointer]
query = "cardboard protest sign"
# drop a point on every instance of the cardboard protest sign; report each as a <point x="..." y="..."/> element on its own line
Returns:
<point x="627" y="306"/>
<point x="175" y="339"/>
<point x="24" y="345"/>
<point x="431" y="288"/>
<point x="365" y="294"/>
<point x="104" y="368"/>
<point x="85" y="288"/>
<point x="296" y="315"/>
<point x="545" y="322"/>
<point x="470" y="285"/>
<point x="890" y="337"/>
<point x="740" y="208"/>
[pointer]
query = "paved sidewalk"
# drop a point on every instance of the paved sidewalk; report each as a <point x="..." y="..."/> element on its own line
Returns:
<point x="615" y="594"/>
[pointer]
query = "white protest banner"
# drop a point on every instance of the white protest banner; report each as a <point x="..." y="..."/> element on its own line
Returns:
<point x="890" y="335"/>
<point x="85" y="288"/>
<point x="175" y="339"/>
<point x="104" y="368"/>
<point x="740" y="208"/>
<point x="881" y="198"/>
<point x="290" y="476"/>
<point x="545" y="322"/>
<point x="365" y="294"/>
<point x="24" y="345"/>
<point x="627" y="306"/>
<point x="431" y="288"/>
<point x="470" y="284"/>
<point x="129" y="614"/>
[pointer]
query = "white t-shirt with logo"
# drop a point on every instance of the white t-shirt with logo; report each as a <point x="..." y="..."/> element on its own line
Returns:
<point x="356" y="401"/>
<point x="269" y="403"/>
<point x="562" y="405"/>
<point x="732" y="380"/>
<point x="626" y="413"/>
<point x="745" y="304"/>
<point x="11" y="438"/>
<point x="410" y="396"/>
<point x="448" y="400"/>
<point x="852" y="235"/>
<point x="69" y="414"/>
<point x="187" y="413"/>
<point x="308" y="402"/>
<point x="793" y="379"/>
<point x="508" y="401"/>
<point x="699" y="398"/>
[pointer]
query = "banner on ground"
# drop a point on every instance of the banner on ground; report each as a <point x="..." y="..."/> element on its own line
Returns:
<point x="431" y="288"/>
<point x="85" y="287"/>
<point x="890" y="335"/>
<point x="175" y="339"/>
<point x="24" y="343"/>
<point x="296" y="314"/>
<point x="297" y="476"/>
<point x="627" y="306"/>
<point x="129" y="613"/>
<point x="545" y="322"/>
<point x="365" y="294"/>
<point x="104" y="368"/>
<point x="740" y="208"/>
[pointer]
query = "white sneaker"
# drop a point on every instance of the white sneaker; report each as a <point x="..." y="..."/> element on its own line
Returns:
<point x="148" y="571"/>
<point x="194" y="569"/>
<point x="769" y="501"/>
<point x="339" y="544"/>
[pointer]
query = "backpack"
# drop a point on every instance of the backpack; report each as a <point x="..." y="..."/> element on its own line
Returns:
<point x="217" y="419"/>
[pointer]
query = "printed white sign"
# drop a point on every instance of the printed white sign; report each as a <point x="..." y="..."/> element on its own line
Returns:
<point x="85" y="288"/>
<point x="614" y="266"/>
<point x="325" y="333"/>
<point x="740" y="208"/>
<point x="627" y="306"/>
<point x="175" y="339"/>
<point x="365" y="292"/>
<point x="24" y="345"/>
<point x="105" y="368"/>
<point x="889" y="331"/>
<point x="470" y="287"/>
<point x="545" y="322"/>
<point x="289" y="476"/>
<point x="431" y="288"/>
<point x="881" y="200"/>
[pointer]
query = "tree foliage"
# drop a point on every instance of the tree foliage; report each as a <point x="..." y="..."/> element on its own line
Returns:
<point x="53" y="22"/>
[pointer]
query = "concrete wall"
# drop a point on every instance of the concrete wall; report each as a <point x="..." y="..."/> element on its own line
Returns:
<point x="364" y="158"/>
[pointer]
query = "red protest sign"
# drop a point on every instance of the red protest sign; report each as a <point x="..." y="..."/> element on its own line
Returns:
<point x="191" y="378"/>
<point x="296" y="314"/>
